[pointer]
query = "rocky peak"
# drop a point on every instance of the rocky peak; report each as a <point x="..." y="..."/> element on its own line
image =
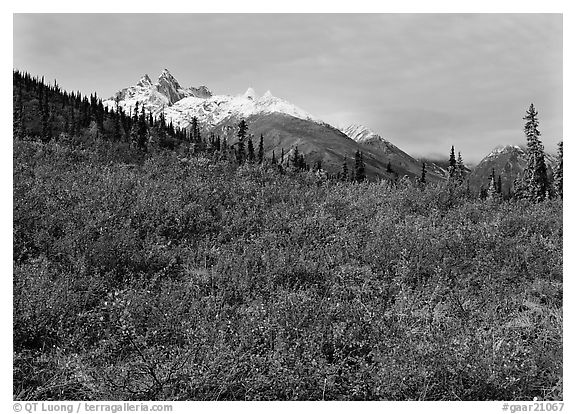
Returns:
<point x="145" y="81"/>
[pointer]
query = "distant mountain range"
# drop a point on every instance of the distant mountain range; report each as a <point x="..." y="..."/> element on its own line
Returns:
<point x="283" y="125"/>
<point x="286" y="126"/>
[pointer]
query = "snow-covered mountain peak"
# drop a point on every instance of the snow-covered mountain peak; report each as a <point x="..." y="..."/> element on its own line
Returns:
<point x="504" y="149"/>
<point x="181" y="104"/>
<point x="250" y="93"/>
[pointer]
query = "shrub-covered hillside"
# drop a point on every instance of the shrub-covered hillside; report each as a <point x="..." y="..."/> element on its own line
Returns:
<point x="186" y="277"/>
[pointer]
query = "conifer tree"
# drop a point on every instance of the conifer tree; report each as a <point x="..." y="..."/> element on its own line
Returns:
<point x="273" y="157"/>
<point x="389" y="168"/>
<point x="261" y="150"/>
<point x="142" y="130"/>
<point x="535" y="181"/>
<point x="558" y="172"/>
<point x="499" y="184"/>
<point x="423" y="174"/>
<point x="296" y="158"/>
<point x="242" y="131"/>
<point x="452" y="164"/>
<point x="359" y="167"/>
<point x="344" y="175"/>
<point x="282" y="157"/>
<point x="318" y="166"/>
<point x="117" y="134"/>
<point x="134" y="130"/>
<point x="250" y="150"/>
<point x="492" y="191"/>
<point x="459" y="169"/>
<point x="194" y="129"/>
<point x="46" y="130"/>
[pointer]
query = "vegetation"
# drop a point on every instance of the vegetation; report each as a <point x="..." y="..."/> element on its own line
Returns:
<point x="176" y="274"/>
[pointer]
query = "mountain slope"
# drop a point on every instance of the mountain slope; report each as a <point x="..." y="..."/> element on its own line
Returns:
<point x="508" y="162"/>
<point x="400" y="162"/>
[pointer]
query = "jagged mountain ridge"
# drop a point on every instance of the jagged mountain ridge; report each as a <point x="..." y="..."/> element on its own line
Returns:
<point x="284" y="125"/>
<point x="180" y="105"/>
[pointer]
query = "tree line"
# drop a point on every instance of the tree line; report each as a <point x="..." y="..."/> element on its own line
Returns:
<point x="46" y="112"/>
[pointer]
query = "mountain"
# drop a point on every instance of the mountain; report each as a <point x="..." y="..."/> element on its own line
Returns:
<point x="283" y="125"/>
<point x="181" y="104"/>
<point x="508" y="162"/>
<point x="400" y="162"/>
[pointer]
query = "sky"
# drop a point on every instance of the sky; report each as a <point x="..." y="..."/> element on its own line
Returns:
<point x="423" y="81"/>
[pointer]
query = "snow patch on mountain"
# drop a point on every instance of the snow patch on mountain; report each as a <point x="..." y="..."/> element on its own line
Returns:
<point x="180" y="105"/>
<point x="503" y="149"/>
<point x="360" y="133"/>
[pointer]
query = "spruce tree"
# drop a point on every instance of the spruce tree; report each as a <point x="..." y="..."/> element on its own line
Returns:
<point x="318" y="166"/>
<point x="242" y="131"/>
<point x="389" y="168"/>
<point x="535" y="181"/>
<point x="117" y="134"/>
<point x="250" y="150"/>
<point x="273" y="157"/>
<point x="134" y="130"/>
<point x="261" y="150"/>
<point x="492" y="191"/>
<point x="558" y="172"/>
<point x="296" y="158"/>
<point x="359" y="167"/>
<point x="499" y="185"/>
<point x="452" y="164"/>
<point x="459" y="169"/>
<point x="344" y="176"/>
<point x="142" y="130"/>
<point x="423" y="174"/>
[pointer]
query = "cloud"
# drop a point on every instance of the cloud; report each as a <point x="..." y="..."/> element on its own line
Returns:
<point x="424" y="80"/>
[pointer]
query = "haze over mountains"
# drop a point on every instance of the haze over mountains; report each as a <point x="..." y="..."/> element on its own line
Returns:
<point x="285" y="126"/>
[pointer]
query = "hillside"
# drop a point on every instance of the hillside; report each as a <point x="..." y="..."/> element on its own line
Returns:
<point x="400" y="162"/>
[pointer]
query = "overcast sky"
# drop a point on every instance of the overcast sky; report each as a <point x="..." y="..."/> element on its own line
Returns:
<point x="423" y="81"/>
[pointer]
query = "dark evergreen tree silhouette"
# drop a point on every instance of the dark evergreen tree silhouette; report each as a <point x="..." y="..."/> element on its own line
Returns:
<point x="242" y="131"/>
<point x="117" y="136"/>
<point x="359" y="167"/>
<point x="452" y="164"/>
<point x="559" y="173"/>
<point x="261" y="150"/>
<point x="535" y="181"/>
<point x="459" y="170"/>
<point x="423" y="174"/>
<point x="250" y="149"/>
<point x="344" y="174"/>
<point x="296" y="158"/>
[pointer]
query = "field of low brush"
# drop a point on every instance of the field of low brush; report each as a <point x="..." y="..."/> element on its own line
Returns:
<point x="172" y="278"/>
